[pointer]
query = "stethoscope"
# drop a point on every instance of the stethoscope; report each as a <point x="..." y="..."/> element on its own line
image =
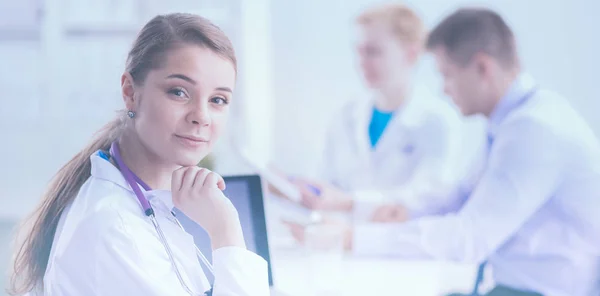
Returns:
<point x="135" y="182"/>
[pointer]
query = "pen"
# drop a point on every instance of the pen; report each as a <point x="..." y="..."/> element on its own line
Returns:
<point x="314" y="190"/>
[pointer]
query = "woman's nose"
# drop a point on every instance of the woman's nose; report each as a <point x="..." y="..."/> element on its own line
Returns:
<point x="200" y="115"/>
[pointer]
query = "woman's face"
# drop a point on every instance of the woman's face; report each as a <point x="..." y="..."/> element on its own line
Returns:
<point x="383" y="59"/>
<point x="182" y="107"/>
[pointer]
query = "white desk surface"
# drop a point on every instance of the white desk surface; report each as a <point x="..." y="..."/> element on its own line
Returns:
<point x="368" y="276"/>
<point x="293" y="274"/>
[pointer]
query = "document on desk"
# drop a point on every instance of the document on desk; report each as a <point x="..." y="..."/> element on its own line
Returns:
<point x="288" y="206"/>
<point x="290" y="211"/>
<point x="282" y="184"/>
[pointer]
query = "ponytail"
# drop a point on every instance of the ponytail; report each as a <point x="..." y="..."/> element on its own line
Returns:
<point x="32" y="255"/>
<point x="160" y="35"/>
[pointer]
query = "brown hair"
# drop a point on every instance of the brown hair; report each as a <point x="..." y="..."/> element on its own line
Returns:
<point x="155" y="40"/>
<point x="469" y="31"/>
<point x="404" y="23"/>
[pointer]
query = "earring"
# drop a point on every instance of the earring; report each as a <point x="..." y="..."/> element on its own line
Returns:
<point x="131" y="114"/>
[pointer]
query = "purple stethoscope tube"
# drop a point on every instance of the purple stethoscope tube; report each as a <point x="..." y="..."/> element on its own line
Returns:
<point x="135" y="182"/>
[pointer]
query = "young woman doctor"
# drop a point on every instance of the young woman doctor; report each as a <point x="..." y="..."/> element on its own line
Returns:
<point x="105" y="226"/>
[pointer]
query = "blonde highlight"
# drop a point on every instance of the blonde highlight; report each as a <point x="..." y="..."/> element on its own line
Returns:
<point x="402" y="21"/>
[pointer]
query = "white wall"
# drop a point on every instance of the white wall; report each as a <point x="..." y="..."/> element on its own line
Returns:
<point x="316" y="71"/>
<point x="297" y="68"/>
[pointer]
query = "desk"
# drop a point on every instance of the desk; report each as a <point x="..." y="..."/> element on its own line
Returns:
<point x="362" y="276"/>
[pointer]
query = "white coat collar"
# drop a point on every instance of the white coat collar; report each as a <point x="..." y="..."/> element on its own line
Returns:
<point x="404" y="119"/>
<point x="408" y="115"/>
<point x="103" y="169"/>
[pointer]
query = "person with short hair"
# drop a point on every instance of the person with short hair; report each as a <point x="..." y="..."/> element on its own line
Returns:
<point x="385" y="155"/>
<point x="532" y="214"/>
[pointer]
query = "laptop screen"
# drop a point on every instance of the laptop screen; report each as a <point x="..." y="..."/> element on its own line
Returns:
<point x="245" y="192"/>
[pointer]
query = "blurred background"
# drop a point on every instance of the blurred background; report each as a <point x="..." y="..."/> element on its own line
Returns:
<point x="61" y="61"/>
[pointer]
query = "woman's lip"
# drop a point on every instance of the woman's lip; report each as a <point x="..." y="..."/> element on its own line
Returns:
<point x="191" y="142"/>
<point x="192" y="138"/>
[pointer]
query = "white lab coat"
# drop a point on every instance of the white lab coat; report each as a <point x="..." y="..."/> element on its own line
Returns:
<point x="105" y="245"/>
<point x="418" y="152"/>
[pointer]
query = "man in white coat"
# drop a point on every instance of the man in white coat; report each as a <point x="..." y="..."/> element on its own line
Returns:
<point x="532" y="215"/>
<point x="398" y="145"/>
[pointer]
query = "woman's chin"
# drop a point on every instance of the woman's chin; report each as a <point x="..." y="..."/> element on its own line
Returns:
<point x="190" y="160"/>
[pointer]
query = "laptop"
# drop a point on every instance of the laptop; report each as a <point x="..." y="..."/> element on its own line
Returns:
<point x="246" y="194"/>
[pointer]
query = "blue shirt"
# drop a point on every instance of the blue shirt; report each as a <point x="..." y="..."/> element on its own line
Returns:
<point x="533" y="213"/>
<point x="379" y="121"/>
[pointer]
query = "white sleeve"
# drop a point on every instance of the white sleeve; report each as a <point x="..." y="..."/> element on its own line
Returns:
<point x="327" y="167"/>
<point x="524" y="170"/>
<point x="130" y="260"/>
<point x="239" y="272"/>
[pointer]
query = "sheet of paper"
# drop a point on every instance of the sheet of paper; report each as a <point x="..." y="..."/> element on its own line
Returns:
<point x="282" y="184"/>
<point x="289" y="211"/>
<point x="289" y="207"/>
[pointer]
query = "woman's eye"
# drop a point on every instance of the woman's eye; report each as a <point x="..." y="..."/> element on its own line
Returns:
<point x="178" y="93"/>
<point x="219" y="100"/>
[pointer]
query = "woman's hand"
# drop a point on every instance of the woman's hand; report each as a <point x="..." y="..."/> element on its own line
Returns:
<point x="197" y="192"/>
